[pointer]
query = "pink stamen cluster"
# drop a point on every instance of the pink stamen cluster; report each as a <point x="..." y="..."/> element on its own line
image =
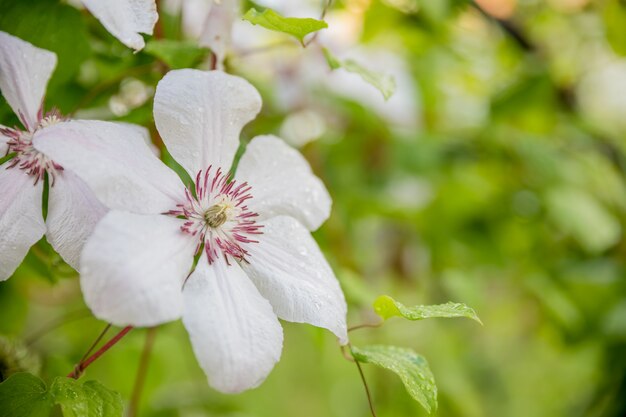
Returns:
<point x="27" y="158"/>
<point x="219" y="216"/>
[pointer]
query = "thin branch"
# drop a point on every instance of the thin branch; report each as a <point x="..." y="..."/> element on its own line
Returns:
<point x="367" y="390"/>
<point x="509" y="27"/>
<point x="325" y="9"/>
<point x="95" y="343"/>
<point x="327" y="5"/>
<point x="564" y="94"/>
<point x="142" y="370"/>
<point x="82" y="365"/>
<point x="158" y="26"/>
<point x="345" y="354"/>
<point x="365" y="325"/>
<point x="213" y="60"/>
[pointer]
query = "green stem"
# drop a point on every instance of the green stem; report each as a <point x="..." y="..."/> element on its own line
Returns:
<point x="142" y="370"/>
<point x="367" y="390"/>
<point x="365" y="325"/>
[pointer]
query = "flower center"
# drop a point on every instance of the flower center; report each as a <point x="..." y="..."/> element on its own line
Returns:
<point x="218" y="216"/>
<point x="27" y="158"/>
<point x="224" y="210"/>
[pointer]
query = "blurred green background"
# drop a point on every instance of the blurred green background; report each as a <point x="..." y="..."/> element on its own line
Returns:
<point x="493" y="177"/>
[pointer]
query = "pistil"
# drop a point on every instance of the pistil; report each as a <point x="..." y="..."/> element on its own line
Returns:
<point x="27" y="158"/>
<point x="218" y="215"/>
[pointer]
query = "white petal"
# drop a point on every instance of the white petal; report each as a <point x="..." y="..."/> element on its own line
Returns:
<point x="234" y="332"/>
<point x="217" y="30"/>
<point x="125" y="19"/>
<point x="283" y="183"/>
<point x="116" y="163"/>
<point x="200" y="115"/>
<point x="24" y="74"/>
<point x="145" y="134"/>
<point x="133" y="268"/>
<point x="290" y="271"/>
<point x="194" y="16"/>
<point x="21" y="221"/>
<point x="73" y="212"/>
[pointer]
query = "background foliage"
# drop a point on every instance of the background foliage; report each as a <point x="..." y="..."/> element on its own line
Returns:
<point x="503" y="188"/>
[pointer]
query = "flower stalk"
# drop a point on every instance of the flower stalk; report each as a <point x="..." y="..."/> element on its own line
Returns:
<point x="142" y="370"/>
<point x="84" y="363"/>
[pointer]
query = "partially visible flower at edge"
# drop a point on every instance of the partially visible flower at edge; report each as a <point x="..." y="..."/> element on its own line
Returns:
<point x="125" y="19"/>
<point x="73" y="210"/>
<point x="210" y="22"/>
<point x="257" y="259"/>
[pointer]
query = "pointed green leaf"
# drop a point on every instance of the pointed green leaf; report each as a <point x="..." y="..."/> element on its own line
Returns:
<point x="294" y="26"/>
<point x="387" y="307"/>
<point x="384" y="83"/>
<point x="24" y="395"/>
<point x="412" y="369"/>
<point x="90" y="399"/>
<point x="332" y="61"/>
<point x="176" y="54"/>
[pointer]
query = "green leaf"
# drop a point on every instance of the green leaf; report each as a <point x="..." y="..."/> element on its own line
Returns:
<point x="384" y="83"/>
<point x="294" y="26"/>
<point x="25" y="395"/>
<point x="412" y="369"/>
<point x="90" y="399"/>
<point x="332" y="61"/>
<point x="614" y="15"/>
<point x="387" y="307"/>
<point x="176" y="54"/>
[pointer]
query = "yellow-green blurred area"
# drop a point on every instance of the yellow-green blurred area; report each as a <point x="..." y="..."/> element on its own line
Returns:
<point x="493" y="177"/>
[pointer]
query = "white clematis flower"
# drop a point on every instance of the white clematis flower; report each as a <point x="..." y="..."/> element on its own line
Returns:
<point x="125" y="19"/>
<point x="73" y="211"/>
<point x="258" y="261"/>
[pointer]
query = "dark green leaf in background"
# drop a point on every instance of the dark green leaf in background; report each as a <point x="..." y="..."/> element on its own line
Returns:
<point x="49" y="25"/>
<point x="24" y="395"/>
<point x="176" y="54"/>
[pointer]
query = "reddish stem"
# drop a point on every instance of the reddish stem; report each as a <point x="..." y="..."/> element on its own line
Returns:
<point x="82" y="365"/>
